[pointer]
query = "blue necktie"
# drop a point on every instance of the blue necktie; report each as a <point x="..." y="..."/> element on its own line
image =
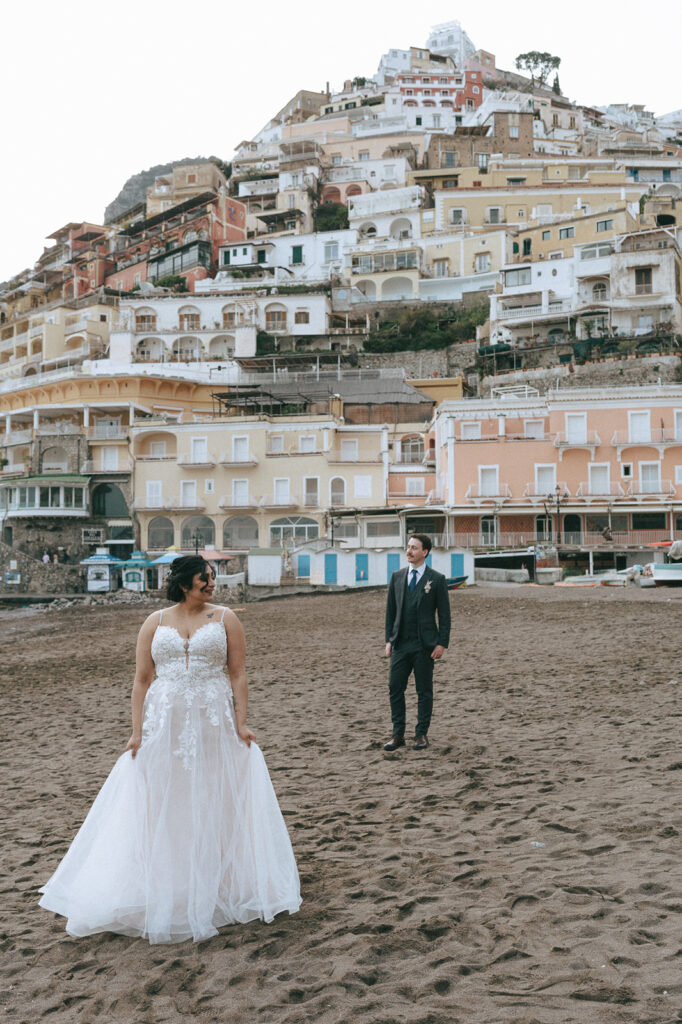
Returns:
<point x="413" y="580"/>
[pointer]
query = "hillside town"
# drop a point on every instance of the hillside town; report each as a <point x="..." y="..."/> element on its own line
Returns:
<point x="445" y="298"/>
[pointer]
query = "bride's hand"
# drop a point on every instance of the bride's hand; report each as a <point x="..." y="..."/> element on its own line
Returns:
<point x="245" y="734"/>
<point x="134" y="744"/>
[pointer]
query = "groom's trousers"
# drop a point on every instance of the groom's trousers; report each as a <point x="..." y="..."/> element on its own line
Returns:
<point x="405" y="659"/>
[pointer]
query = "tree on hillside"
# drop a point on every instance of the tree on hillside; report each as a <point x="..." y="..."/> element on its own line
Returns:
<point x="537" y="64"/>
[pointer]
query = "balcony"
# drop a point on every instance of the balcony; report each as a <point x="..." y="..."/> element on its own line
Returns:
<point x="656" y="489"/>
<point x="536" y="312"/>
<point x="538" y="495"/>
<point x="588" y="439"/>
<point x="659" y="438"/>
<point x="13" y="469"/>
<point x="186" y="504"/>
<point x="17" y="437"/>
<point x="188" y="461"/>
<point x="591" y="492"/>
<point x="107" y="432"/>
<point x="481" y="495"/>
<point x="91" y="467"/>
<point x="233" y="502"/>
<point x="274" y="501"/>
<point x="57" y="429"/>
<point x="242" y="461"/>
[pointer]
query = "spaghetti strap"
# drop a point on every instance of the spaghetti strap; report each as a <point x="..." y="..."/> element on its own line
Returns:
<point x="161" y="616"/>
<point x="223" y="615"/>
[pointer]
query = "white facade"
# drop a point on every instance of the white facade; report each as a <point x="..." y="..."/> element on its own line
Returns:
<point x="629" y="288"/>
<point x="450" y="40"/>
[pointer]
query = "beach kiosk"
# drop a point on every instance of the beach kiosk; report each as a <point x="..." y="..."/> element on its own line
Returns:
<point x="102" y="571"/>
<point x="134" y="571"/>
<point x="162" y="564"/>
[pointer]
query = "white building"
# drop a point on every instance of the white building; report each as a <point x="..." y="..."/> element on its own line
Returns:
<point x="450" y="40"/>
<point x="626" y="288"/>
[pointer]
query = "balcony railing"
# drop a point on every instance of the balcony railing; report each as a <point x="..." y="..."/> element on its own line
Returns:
<point x="651" y="488"/>
<point x="17" y="437"/>
<point x="230" y="501"/>
<point x="589" y="439"/>
<point x="238" y="460"/>
<point x="279" y="501"/>
<point x="13" y="468"/>
<point x="536" y="493"/>
<point x="108" y="432"/>
<point x="59" y="429"/>
<point x="659" y="435"/>
<point x="534" y="312"/>
<point x="187" y="460"/>
<point x="589" y="490"/>
<point x="186" y="504"/>
<point x="494" y="493"/>
<point x="92" y="466"/>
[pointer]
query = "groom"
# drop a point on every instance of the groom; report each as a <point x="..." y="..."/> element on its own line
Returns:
<point x="414" y="642"/>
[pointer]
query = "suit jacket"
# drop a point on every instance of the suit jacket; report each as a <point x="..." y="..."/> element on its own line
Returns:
<point x="432" y="600"/>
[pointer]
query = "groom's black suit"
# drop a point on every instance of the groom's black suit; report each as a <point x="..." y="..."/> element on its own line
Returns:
<point x="413" y="632"/>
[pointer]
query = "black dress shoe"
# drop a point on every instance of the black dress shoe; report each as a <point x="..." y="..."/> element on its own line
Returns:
<point x="420" y="743"/>
<point x="395" y="742"/>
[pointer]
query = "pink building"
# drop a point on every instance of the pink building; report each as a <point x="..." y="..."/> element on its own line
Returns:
<point x="583" y="467"/>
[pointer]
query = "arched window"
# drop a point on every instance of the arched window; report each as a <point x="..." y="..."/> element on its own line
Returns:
<point x="55" y="460"/>
<point x="187" y="350"/>
<point x="189" y="318"/>
<point x="331" y="194"/>
<point x="203" y="235"/>
<point x="401" y="228"/>
<point x="275" y="317"/>
<point x="368" y="230"/>
<point x="599" y="292"/>
<point x="145" y="319"/>
<point x="337" y="489"/>
<point x="240" y="532"/>
<point x="108" y="500"/>
<point x="189" y="236"/>
<point x="293" y="528"/>
<point x="353" y="190"/>
<point x="412" y="449"/>
<point x="197" y="531"/>
<point x="160" y="533"/>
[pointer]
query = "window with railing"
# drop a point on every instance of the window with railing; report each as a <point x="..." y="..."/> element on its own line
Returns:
<point x="145" y="322"/>
<point x="643" y="281"/>
<point x="276" y="320"/>
<point x="189" y="321"/>
<point x="412" y="449"/>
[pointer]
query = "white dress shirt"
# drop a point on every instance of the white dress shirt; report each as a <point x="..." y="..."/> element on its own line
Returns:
<point x="419" y="570"/>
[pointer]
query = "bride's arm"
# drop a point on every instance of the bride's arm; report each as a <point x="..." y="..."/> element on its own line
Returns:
<point x="144" y="673"/>
<point x="236" y="667"/>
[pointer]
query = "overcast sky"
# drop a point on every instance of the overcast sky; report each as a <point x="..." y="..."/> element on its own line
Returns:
<point x="94" y="92"/>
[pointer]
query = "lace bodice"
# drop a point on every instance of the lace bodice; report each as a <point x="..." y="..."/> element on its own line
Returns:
<point x="191" y="684"/>
<point x="206" y="649"/>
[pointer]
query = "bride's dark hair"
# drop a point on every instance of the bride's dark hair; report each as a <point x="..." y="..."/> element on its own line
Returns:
<point x="182" y="572"/>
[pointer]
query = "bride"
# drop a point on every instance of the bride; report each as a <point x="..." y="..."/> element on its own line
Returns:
<point x="185" y="835"/>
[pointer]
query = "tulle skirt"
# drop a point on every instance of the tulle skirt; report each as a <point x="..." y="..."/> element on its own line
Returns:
<point x="182" y="840"/>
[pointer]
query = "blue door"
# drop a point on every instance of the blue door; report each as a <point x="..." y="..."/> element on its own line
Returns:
<point x="330" y="567"/>
<point x="457" y="564"/>
<point x="361" y="567"/>
<point x="303" y="568"/>
<point x="392" y="564"/>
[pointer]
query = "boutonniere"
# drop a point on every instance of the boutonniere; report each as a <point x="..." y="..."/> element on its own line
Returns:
<point x="427" y="587"/>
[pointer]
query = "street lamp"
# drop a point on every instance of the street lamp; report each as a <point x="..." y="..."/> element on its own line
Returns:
<point x="197" y="539"/>
<point x="558" y="498"/>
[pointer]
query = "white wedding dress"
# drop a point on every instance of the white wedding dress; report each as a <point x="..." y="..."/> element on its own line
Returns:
<point x="188" y="836"/>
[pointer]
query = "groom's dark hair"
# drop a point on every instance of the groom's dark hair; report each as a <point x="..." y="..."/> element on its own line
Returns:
<point x="423" y="539"/>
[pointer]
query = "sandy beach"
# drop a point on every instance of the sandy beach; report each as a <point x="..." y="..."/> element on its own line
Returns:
<point x="525" y="868"/>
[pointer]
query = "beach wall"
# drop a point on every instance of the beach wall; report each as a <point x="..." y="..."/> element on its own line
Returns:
<point x="35" y="577"/>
